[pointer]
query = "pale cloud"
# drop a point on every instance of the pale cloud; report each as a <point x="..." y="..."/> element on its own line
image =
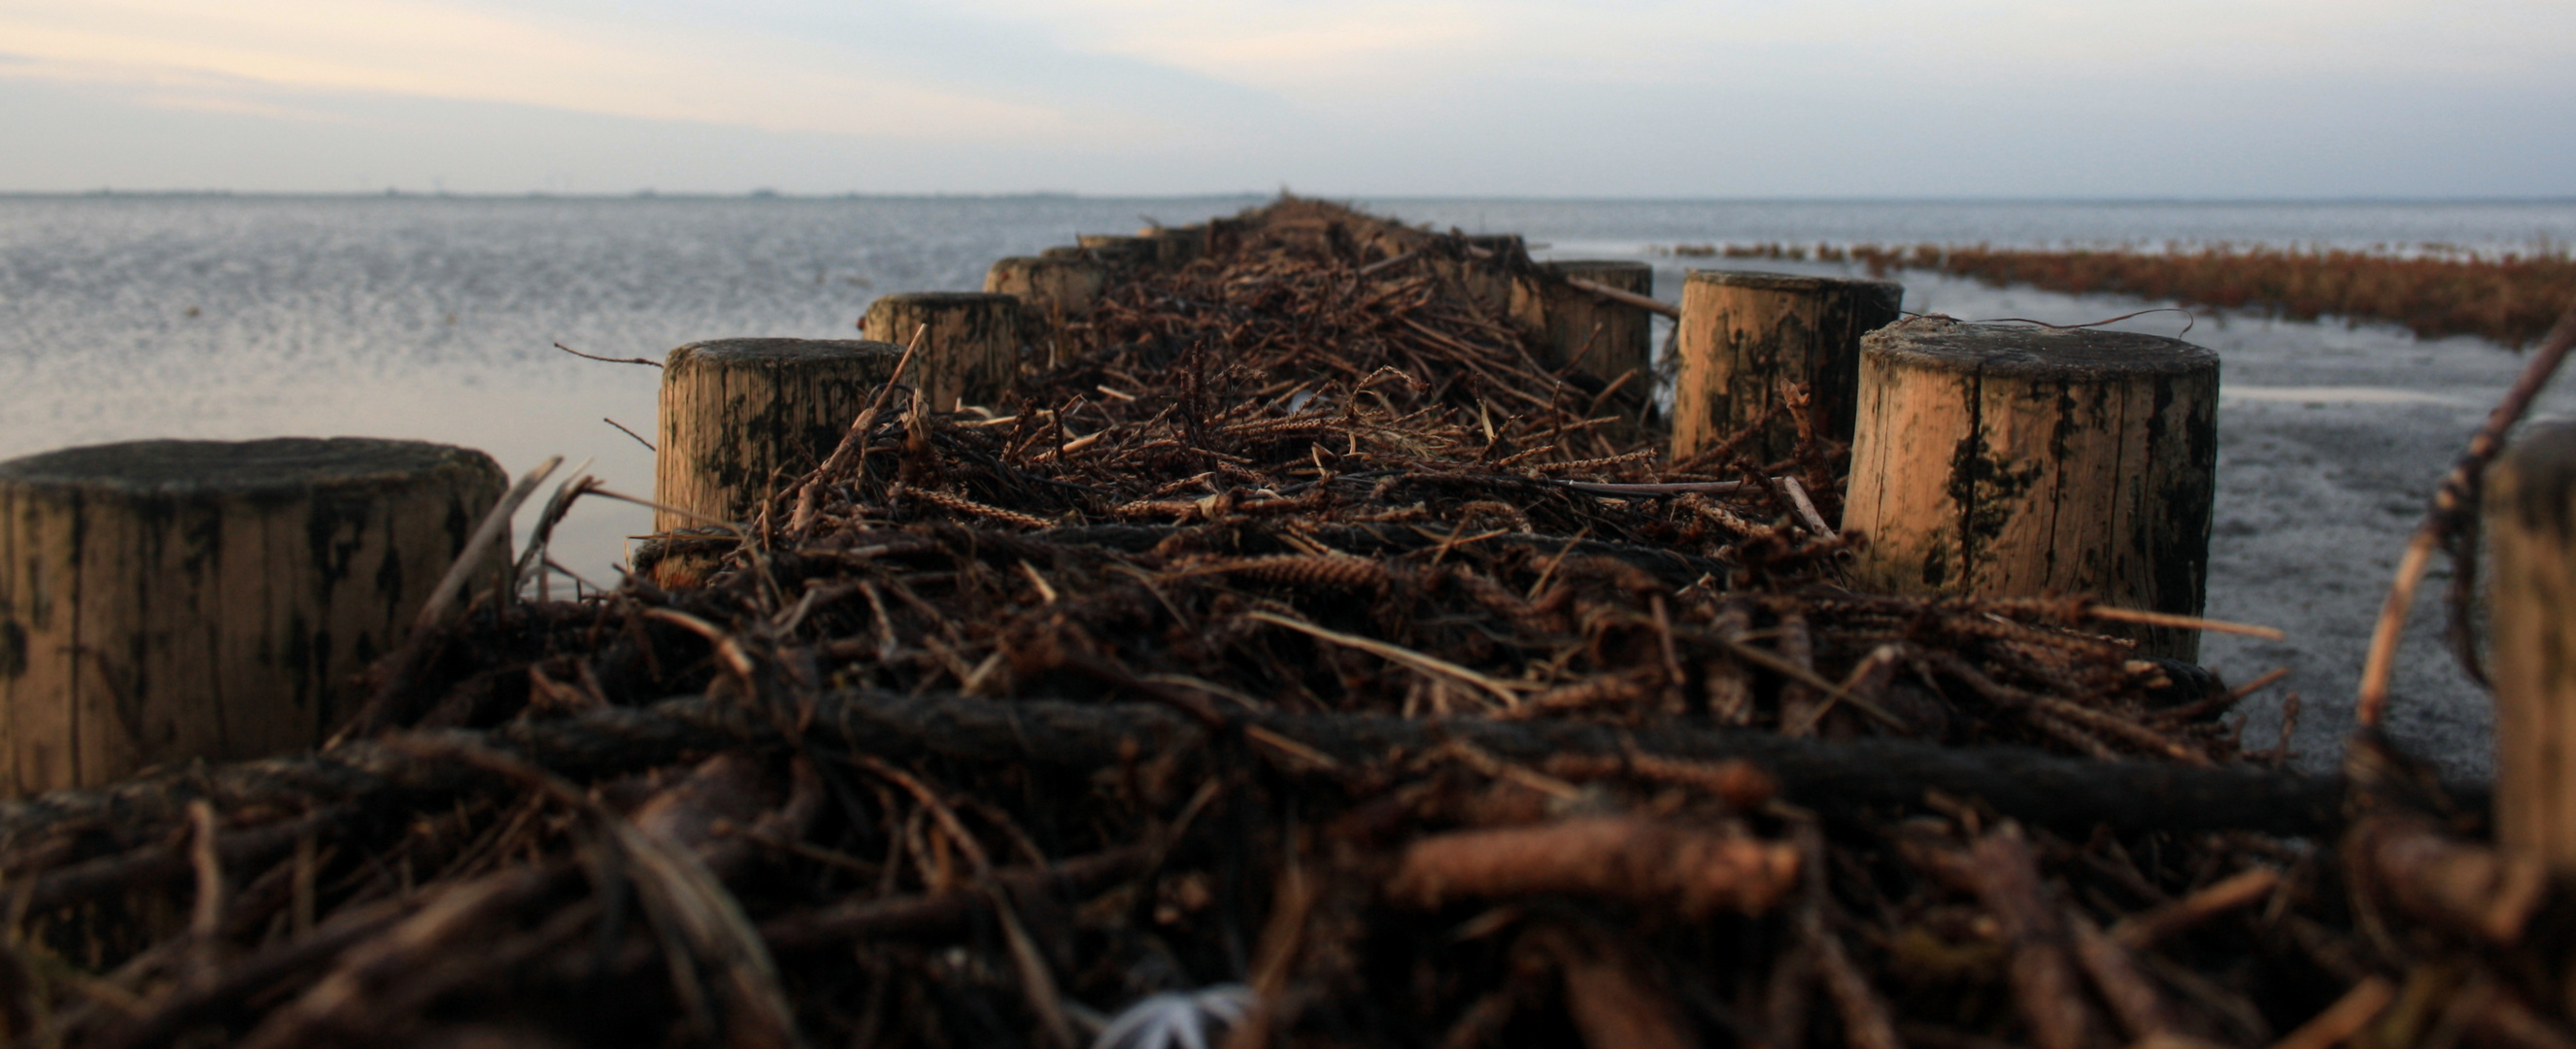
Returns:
<point x="1313" y="49"/>
<point x="1339" y="48"/>
<point x="171" y="88"/>
<point x="236" y="106"/>
<point x="455" y="52"/>
<point x="1680" y="97"/>
<point x="800" y="66"/>
<point x="1287" y="45"/>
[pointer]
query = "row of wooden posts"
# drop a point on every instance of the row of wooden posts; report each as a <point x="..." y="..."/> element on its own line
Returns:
<point x="1985" y="459"/>
<point x="164" y="601"/>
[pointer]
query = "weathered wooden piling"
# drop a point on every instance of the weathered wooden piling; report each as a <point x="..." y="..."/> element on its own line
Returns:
<point x="1225" y="234"/>
<point x="1742" y="335"/>
<point x="162" y="601"/>
<point x="970" y="342"/>
<point x="1118" y="250"/>
<point x="2530" y="520"/>
<point x="1485" y="272"/>
<point x="741" y="417"/>
<point x="1600" y="337"/>
<point x="1175" y="246"/>
<point x="2020" y="462"/>
<point x="1050" y="289"/>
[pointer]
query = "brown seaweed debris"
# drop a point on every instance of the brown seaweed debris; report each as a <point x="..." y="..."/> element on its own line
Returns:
<point x="1274" y="666"/>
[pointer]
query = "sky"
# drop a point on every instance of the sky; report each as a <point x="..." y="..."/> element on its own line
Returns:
<point x="2223" y="99"/>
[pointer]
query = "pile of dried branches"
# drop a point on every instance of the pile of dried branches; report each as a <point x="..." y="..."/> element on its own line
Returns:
<point x="1306" y="655"/>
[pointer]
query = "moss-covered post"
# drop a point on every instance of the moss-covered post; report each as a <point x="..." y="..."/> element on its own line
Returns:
<point x="162" y="601"/>
<point x="2530" y="518"/>
<point x="2009" y="461"/>
<point x="970" y="342"/>
<point x="1743" y="334"/>
<point x="741" y="417"/>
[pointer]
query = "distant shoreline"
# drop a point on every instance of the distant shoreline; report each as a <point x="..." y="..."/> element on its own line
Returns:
<point x="1373" y="198"/>
<point x="2509" y="298"/>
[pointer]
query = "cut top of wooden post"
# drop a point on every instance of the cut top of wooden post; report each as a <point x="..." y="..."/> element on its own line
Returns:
<point x="2019" y="351"/>
<point x="2530" y="519"/>
<point x="2009" y="461"/>
<point x="773" y="353"/>
<point x="166" y="600"/>
<point x="277" y="467"/>
<point x="1742" y="334"/>
<point x="741" y="416"/>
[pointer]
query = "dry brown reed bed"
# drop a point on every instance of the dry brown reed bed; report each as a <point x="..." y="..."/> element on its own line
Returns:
<point x="2510" y="299"/>
<point x="1306" y="657"/>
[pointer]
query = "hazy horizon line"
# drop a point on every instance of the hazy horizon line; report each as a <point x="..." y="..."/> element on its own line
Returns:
<point x="783" y="195"/>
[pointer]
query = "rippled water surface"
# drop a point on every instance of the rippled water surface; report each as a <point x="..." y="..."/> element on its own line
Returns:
<point x="127" y="317"/>
<point x="234" y="317"/>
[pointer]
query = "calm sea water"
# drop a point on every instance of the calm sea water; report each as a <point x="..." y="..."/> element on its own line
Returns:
<point x="127" y="317"/>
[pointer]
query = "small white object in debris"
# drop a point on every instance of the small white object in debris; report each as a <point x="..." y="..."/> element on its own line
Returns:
<point x="1176" y="1019"/>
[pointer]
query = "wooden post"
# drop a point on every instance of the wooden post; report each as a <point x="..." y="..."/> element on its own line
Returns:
<point x="1743" y="334"/>
<point x="2009" y="461"/>
<point x="1053" y="289"/>
<point x="1224" y="235"/>
<point x="971" y="351"/>
<point x="168" y="600"/>
<point x="1483" y="271"/>
<point x="1175" y="246"/>
<point x="741" y="417"/>
<point x="1121" y="252"/>
<point x="2530" y="517"/>
<point x="1604" y="339"/>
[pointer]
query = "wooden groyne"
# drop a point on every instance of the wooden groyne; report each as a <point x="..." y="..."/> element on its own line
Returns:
<point x="1298" y="644"/>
